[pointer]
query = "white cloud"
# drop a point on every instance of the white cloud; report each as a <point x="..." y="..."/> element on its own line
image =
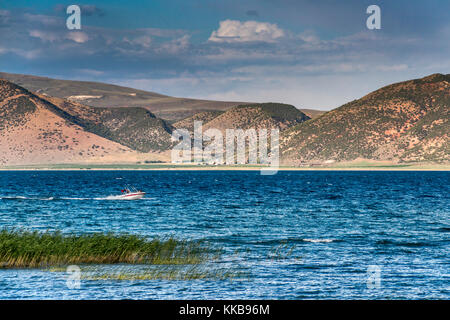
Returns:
<point x="45" y="20"/>
<point x="27" y="54"/>
<point x="309" y="36"/>
<point x="45" y="36"/>
<point x="237" y="31"/>
<point x="143" y="41"/>
<point x="79" y="37"/>
<point x="48" y="36"/>
<point x="176" y="45"/>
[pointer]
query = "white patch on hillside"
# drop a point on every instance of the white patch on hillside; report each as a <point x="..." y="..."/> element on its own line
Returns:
<point x="83" y="97"/>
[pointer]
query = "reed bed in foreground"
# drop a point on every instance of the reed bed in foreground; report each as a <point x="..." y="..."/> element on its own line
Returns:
<point x="22" y="249"/>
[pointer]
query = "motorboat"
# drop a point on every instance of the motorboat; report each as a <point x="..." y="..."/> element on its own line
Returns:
<point x="130" y="193"/>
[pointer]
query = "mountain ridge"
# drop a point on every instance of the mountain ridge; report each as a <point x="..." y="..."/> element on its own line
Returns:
<point x="105" y="95"/>
<point x="258" y="116"/>
<point x="402" y="122"/>
<point x="134" y="127"/>
<point x="383" y="125"/>
<point x="34" y="131"/>
<point x="99" y="94"/>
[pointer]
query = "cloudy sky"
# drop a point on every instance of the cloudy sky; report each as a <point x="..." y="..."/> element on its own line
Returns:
<point x="310" y="53"/>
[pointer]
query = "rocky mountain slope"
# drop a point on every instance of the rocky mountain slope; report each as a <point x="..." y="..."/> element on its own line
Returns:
<point x="136" y="128"/>
<point x="205" y="117"/>
<point x="258" y="116"/>
<point x="41" y="129"/>
<point x="407" y="121"/>
<point x="402" y="122"/>
<point x="32" y="131"/>
<point x="251" y="116"/>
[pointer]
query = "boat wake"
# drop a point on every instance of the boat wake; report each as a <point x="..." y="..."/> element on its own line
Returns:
<point x="319" y="240"/>
<point x="27" y="198"/>
<point x="65" y="198"/>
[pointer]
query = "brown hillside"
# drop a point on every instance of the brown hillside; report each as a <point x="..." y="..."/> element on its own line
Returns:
<point x="406" y="121"/>
<point x="136" y="128"/>
<point x="258" y="116"/>
<point x="205" y="117"/>
<point x="105" y="95"/>
<point x="32" y="133"/>
<point x="312" y="113"/>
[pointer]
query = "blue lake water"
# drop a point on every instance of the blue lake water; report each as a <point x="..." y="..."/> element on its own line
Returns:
<point x="329" y="228"/>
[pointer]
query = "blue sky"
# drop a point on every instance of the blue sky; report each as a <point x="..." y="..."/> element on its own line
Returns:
<point x="313" y="54"/>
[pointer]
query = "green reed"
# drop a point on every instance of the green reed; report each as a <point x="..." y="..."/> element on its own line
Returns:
<point x="23" y="249"/>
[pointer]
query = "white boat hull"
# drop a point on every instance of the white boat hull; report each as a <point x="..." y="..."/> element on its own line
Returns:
<point x="132" y="196"/>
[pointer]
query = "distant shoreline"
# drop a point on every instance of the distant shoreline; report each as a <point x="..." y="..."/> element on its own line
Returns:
<point x="174" y="167"/>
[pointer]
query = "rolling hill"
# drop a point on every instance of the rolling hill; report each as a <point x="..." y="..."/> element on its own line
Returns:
<point x="402" y="122"/>
<point x="31" y="132"/>
<point x="258" y="116"/>
<point x="136" y="128"/>
<point x="205" y="117"/>
<point x="34" y="130"/>
<point x="104" y="95"/>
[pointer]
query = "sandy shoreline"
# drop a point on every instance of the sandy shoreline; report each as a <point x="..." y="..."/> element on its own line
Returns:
<point x="171" y="167"/>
